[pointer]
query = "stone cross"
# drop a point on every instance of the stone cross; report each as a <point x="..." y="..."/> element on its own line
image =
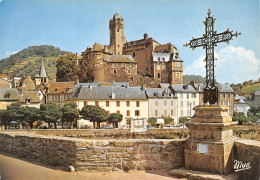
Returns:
<point x="208" y="41"/>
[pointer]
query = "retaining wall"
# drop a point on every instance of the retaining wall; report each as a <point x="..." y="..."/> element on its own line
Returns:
<point x="96" y="155"/>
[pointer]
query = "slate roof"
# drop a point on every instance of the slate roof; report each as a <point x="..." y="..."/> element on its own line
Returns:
<point x="183" y="88"/>
<point x="167" y="48"/>
<point x="13" y="92"/>
<point x="121" y="59"/>
<point x="42" y="71"/>
<point x="239" y="99"/>
<point x="257" y="93"/>
<point x="105" y="93"/>
<point x="224" y="88"/>
<point x="159" y="93"/>
<point x="164" y="85"/>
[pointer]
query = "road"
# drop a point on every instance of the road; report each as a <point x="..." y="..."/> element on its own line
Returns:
<point x="12" y="168"/>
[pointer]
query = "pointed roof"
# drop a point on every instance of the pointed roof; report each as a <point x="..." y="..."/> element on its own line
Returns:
<point x="42" y="71"/>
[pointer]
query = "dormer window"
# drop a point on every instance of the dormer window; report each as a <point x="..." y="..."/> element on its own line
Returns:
<point x="158" y="58"/>
<point x="163" y="59"/>
<point x="28" y="100"/>
<point x="7" y="95"/>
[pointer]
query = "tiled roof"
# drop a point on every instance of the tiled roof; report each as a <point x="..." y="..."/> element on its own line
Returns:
<point x="159" y="93"/>
<point x="34" y="96"/>
<point x="98" y="47"/>
<point x="223" y="88"/>
<point x="183" y="88"/>
<point x="13" y="94"/>
<point x="165" y="48"/>
<point x="60" y="87"/>
<point x="121" y="58"/>
<point x="105" y="93"/>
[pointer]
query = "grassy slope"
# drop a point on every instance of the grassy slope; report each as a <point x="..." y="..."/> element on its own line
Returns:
<point x="251" y="88"/>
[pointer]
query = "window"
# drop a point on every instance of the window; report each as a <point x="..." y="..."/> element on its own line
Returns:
<point x="165" y="112"/>
<point x="181" y="103"/>
<point x="158" y="67"/>
<point x="114" y="71"/>
<point x="96" y="65"/>
<point x="114" y="65"/>
<point x="132" y="65"/>
<point x="181" y="112"/>
<point x="118" y="112"/>
<point x="137" y="103"/>
<point x="118" y="46"/>
<point x="172" y="103"/>
<point x="177" y="75"/>
<point x="159" y="75"/>
<point x="131" y="79"/>
<point x="156" y="112"/>
<point x="118" y="104"/>
<point x="229" y="112"/>
<point x="137" y="113"/>
<point x="194" y="103"/>
<point x="181" y="96"/>
<point x="97" y="103"/>
<point x="224" y="95"/>
<point x="128" y="122"/>
<point x="165" y="103"/>
<point x="178" y="64"/>
<point x="171" y="112"/>
<point x="129" y="71"/>
<point x="188" y="104"/>
<point x="127" y="103"/>
<point x="224" y="102"/>
<point x="158" y="58"/>
<point x="107" y="103"/>
<point x="156" y="103"/>
<point x="228" y="95"/>
<point x="85" y="103"/>
<point x="133" y="54"/>
<point x="188" y="96"/>
<point x="61" y="97"/>
<point x="123" y="65"/>
<point x="128" y="113"/>
<point x="118" y="53"/>
<point x="194" y="95"/>
<point x="229" y="103"/>
<point x="50" y="97"/>
<point x="56" y="97"/>
<point x="163" y="67"/>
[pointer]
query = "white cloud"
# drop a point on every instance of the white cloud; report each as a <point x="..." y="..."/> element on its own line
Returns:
<point x="8" y="53"/>
<point x="233" y="65"/>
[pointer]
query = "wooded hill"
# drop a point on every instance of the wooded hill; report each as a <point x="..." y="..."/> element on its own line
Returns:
<point x="28" y="60"/>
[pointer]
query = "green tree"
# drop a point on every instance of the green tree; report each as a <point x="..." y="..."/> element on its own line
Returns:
<point x="50" y="113"/>
<point x="168" y="120"/>
<point x="183" y="120"/>
<point x="115" y="119"/>
<point x="152" y="121"/>
<point x="239" y="117"/>
<point x="95" y="114"/>
<point x="2" y="111"/>
<point x="66" y="67"/>
<point x="69" y="113"/>
<point x="13" y="113"/>
<point x="30" y="115"/>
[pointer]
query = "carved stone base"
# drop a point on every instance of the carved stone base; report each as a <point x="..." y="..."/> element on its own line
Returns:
<point x="209" y="147"/>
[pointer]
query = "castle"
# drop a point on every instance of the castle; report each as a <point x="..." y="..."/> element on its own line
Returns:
<point x="123" y="61"/>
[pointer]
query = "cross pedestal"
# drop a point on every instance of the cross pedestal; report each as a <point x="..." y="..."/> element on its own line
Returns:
<point x="209" y="147"/>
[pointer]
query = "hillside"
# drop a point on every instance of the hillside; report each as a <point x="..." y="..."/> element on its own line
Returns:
<point x="28" y="60"/>
<point x="250" y="88"/>
<point x="188" y="78"/>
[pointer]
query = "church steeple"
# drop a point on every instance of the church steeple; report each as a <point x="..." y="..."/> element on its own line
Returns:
<point x="42" y="71"/>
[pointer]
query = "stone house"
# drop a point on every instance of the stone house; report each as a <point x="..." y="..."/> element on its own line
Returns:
<point x="255" y="100"/>
<point x="31" y="98"/>
<point x="59" y="92"/>
<point x="8" y="96"/>
<point x="188" y="98"/>
<point x="131" y="102"/>
<point x="240" y="104"/>
<point x="4" y="83"/>
<point x="162" y="103"/>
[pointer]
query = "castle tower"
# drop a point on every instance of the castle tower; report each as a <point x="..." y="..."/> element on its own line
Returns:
<point x="117" y="38"/>
<point x="42" y="76"/>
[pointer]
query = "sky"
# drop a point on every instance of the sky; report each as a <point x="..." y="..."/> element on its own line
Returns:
<point x="74" y="25"/>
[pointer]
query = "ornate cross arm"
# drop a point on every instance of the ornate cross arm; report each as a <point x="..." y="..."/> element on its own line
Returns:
<point x="224" y="37"/>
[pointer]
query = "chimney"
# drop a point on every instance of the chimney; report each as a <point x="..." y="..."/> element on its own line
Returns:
<point x="113" y="95"/>
<point x="145" y="36"/>
<point x="172" y="83"/>
<point x="144" y="87"/>
<point x="105" y="48"/>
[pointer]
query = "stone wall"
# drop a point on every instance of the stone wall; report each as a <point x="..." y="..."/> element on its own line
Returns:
<point x="95" y="155"/>
<point x="248" y="151"/>
<point x="247" y="132"/>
